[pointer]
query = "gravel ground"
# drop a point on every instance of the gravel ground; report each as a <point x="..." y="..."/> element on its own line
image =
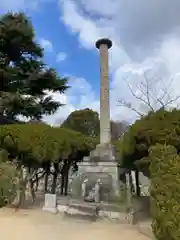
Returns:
<point x="38" y="225"/>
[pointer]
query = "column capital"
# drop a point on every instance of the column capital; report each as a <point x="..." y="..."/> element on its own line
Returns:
<point x="104" y="41"/>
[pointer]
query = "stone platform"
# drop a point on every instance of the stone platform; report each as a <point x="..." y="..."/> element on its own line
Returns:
<point x="100" y="167"/>
<point x="79" y="209"/>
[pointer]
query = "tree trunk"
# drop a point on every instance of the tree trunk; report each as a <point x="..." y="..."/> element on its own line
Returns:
<point x="66" y="179"/>
<point x="21" y="193"/>
<point x="46" y="177"/>
<point x="37" y="182"/>
<point x="22" y="198"/>
<point x="53" y="188"/>
<point x="55" y="176"/>
<point x="128" y="190"/>
<point x="138" y="192"/>
<point x="131" y="182"/>
<point x="62" y="183"/>
<point x="33" y="195"/>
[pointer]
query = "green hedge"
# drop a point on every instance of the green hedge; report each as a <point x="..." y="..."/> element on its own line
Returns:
<point x="165" y="192"/>
<point x="161" y="127"/>
<point x="8" y="179"/>
<point x="42" y="142"/>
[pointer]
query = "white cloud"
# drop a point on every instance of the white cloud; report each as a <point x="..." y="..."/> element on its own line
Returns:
<point x="138" y="32"/>
<point x="163" y="60"/>
<point x="77" y="97"/>
<point x="62" y="112"/>
<point x="107" y="9"/>
<point x="46" y="44"/>
<point x="61" y="56"/>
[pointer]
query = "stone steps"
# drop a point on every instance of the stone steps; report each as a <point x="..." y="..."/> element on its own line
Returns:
<point x="116" y="217"/>
<point x="83" y="212"/>
<point x="93" y="212"/>
<point x="79" y="209"/>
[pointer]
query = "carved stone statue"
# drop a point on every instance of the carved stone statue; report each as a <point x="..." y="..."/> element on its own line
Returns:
<point x="97" y="191"/>
<point x="83" y="188"/>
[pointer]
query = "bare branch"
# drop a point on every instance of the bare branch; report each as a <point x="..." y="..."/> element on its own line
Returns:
<point x="123" y="103"/>
<point x="140" y="98"/>
<point x="172" y="100"/>
<point x="32" y="174"/>
<point x="39" y="176"/>
<point x="149" y="96"/>
<point x="147" y="87"/>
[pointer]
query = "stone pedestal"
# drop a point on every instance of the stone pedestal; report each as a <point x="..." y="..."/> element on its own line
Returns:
<point x="103" y="153"/>
<point x="50" y="204"/>
<point x="100" y="165"/>
<point x="107" y="172"/>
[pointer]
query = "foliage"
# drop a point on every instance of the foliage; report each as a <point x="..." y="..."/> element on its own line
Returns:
<point x="117" y="129"/>
<point x="165" y="192"/>
<point x="25" y="79"/>
<point x="85" y="121"/>
<point x="8" y="180"/>
<point x="160" y="127"/>
<point x="39" y="143"/>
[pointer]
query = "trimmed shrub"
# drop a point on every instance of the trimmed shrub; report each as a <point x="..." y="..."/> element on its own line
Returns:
<point x="161" y="127"/>
<point x="34" y="146"/>
<point x="165" y="192"/>
<point x="42" y="142"/>
<point x="8" y="183"/>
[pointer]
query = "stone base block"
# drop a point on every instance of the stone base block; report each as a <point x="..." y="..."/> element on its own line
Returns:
<point x="103" y="152"/>
<point x="80" y="211"/>
<point x="50" y="203"/>
<point x="107" y="172"/>
<point x="51" y="210"/>
<point x="100" y="167"/>
<point x="123" y="218"/>
<point x="62" y="208"/>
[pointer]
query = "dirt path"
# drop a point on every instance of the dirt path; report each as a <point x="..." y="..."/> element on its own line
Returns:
<point x="37" y="225"/>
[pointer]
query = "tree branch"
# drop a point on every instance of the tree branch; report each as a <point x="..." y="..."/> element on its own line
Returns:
<point x="123" y="103"/>
<point x="148" y="97"/>
<point x="139" y="97"/>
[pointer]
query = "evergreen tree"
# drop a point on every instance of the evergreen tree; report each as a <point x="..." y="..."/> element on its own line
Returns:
<point x="25" y="79"/>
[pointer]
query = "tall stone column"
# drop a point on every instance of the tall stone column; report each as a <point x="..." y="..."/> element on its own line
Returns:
<point x="105" y="131"/>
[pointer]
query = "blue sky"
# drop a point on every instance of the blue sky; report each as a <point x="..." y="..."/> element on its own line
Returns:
<point x="144" y="41"/>
<point x="79" y="62"/>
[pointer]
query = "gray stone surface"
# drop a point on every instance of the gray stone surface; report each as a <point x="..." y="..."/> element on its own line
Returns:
<point x="50" y="203"/>
<point x="144" y="184"/>
<point x="103" y="153"/>
<point x="113" y="216"/>
<point x="105" y="132"/>
<point x="91" y="211"/>
<point x="107" y="172"/>
<point x="81" y="211"/>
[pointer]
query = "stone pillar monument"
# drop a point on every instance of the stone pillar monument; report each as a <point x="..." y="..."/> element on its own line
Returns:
<point x="104" y="151"/>
<point x="101" y="165"/>
<point x="105" y="132"/>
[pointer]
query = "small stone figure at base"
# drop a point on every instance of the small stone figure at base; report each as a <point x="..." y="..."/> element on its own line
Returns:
<point x="94" y="194"/>
<point x="97" y="190"/>
<point x="83" y="188"/>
